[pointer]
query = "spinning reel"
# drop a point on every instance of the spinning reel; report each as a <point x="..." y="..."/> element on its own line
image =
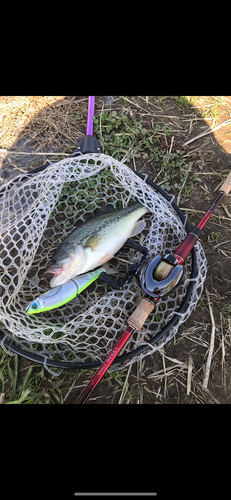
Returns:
<point x="157" y="276"/>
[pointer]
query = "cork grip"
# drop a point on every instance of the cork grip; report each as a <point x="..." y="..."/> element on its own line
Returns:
<point x="139" y="316"/>
<point x="226" y="186"/>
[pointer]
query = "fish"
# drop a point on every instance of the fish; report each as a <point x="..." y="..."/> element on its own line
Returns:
<point x="60" y="295"/>
<point x="94" y="243"/>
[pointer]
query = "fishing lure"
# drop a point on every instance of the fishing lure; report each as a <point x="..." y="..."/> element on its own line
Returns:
<point x="61" y="294"/>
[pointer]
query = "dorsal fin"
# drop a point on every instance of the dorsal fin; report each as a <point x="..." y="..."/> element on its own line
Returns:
<point x="105" y="209"/>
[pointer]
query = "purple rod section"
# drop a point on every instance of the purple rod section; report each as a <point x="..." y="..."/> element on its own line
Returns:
<point x="91" y="110"/>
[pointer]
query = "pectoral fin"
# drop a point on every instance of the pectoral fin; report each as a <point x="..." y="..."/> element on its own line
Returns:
<point x="106" y="257"/>
<point x="138" y="227"/>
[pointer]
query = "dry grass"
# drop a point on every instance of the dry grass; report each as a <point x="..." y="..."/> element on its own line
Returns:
<point x="182" y="379"/>
<point x="47" y="125"/>
<point x="18" y="111"/>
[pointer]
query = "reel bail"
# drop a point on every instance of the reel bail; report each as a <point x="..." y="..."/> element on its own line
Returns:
<point x="159" y="276"/>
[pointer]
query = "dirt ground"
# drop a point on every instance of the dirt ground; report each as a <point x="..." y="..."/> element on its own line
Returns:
<point x="176" y="374"/>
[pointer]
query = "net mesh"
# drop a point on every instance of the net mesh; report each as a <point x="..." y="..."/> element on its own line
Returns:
<point x="36" y="212"/>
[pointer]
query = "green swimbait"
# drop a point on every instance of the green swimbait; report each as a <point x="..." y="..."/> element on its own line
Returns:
<point x="61" y="294"/>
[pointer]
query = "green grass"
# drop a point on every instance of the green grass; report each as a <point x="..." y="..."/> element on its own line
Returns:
<point x="36" y="386"/>
<point x="210" y="109"/>
<point x="215" y="235"/>
<point x="121" y="137"/>
<point x="227" y="310"/>
<point x="213" y="111"/>
<point x="182" y="101"/>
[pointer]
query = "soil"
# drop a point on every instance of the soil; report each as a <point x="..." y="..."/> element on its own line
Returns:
<point x="164" y="378"/>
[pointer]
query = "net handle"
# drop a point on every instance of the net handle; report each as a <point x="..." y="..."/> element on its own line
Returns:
<point x="90" y="113"/>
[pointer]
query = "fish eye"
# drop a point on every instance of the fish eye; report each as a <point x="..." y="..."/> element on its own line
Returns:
<point x="34" y="306"/>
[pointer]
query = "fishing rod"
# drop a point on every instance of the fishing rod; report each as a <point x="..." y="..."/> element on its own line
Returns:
<point x="158" y="277"/>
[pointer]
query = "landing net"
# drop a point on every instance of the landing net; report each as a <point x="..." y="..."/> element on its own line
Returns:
<point x="36" y="212"/>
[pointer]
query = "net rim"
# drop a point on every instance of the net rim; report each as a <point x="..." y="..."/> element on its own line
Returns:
<point x="42" y="359"/>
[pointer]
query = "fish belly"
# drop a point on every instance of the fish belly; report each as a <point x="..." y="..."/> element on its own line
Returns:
<point x="107" y="247"/>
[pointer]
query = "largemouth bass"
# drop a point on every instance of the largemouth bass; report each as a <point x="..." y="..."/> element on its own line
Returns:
<point x="94" y="243"/>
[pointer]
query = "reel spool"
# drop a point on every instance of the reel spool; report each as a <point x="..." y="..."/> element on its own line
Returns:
<point x="158" y="277"/>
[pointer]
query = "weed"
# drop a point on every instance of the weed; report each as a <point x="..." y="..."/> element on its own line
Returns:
<point x="200" y="303"/>
<point x="35" y="387"/>
<point x="227" y="310"/>
<point x="118" y="377"/>
<point x="117" y="135"/>
<point x="213" y="110"/>
<point x="122" y="137"/>
<point x="181" y="100"/>
<point x="162" y="99"/>
<point x="215" y="235"/>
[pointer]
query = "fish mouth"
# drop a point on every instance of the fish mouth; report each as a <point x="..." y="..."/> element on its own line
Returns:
<point x="66" y="268"/>
<point x="57" y="275"/>
<point x="51" y="272"/>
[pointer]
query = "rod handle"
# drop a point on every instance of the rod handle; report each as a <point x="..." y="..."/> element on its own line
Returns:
<point x="226" y="186"/>
<point x="139" y="316"/>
